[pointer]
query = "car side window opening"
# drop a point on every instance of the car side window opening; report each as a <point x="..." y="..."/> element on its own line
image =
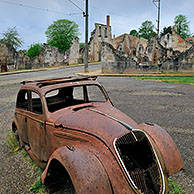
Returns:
<point x="36" y="105"/>
<point x="69" y="96"/>
<point x="22" y="100"/>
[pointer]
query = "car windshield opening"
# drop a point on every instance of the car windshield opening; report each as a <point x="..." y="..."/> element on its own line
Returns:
<point x="69" y="96"/>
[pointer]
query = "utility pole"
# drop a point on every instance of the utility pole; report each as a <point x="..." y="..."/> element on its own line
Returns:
<point x="157" y="4"/>
<point x="86" y="37"/>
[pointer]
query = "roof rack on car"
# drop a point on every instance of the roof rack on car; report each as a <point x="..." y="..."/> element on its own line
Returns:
<point x="42" y="83"/>
<point x="37" y="81"/>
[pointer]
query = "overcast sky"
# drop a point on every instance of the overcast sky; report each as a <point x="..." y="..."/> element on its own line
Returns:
<point x="32" y="17"/>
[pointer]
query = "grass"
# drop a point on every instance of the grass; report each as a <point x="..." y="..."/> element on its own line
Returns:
<point x="169" y="79"/>
<point x="175" y="188"/>
<point x="13" y="143"/>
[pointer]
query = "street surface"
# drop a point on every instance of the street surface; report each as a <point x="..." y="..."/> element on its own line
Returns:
<point x="169" y="105"/>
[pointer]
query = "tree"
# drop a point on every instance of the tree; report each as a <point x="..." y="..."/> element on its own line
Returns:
<point x="34" y="50"/>
<point x="147" y="30"/>
<point x="61" y="33"/>
<point x="166" y="30"/>
<point x="12" y="37"/>
<point x="182" y="26"/>
<point x="133" y="33"/>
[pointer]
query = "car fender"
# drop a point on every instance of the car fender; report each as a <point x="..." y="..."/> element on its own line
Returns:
<point x="165" y="144"/>
<point x="84" y="168"/>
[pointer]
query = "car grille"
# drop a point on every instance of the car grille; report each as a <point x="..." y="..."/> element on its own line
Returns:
<point x="139" y="161"/>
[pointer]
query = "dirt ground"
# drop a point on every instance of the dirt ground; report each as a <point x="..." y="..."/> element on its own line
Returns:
<point x="169" y="105"/>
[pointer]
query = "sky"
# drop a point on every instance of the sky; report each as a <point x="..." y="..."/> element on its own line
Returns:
<point x="32" y="17"/>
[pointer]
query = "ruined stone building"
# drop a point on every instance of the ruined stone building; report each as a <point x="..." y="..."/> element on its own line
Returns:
<point x="129" y="53"/>
<point x="10" y="59"/>
<point x="130" y="44"/>
<point x="173" y="40"/>
<point x="49" y="56"/>
<point x="101" y="33"/>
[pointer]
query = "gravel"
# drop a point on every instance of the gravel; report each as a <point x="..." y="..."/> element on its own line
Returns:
<point x="169" y="105"/>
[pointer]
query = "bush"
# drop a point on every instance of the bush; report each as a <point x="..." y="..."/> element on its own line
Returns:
<point x="34" y="50"/>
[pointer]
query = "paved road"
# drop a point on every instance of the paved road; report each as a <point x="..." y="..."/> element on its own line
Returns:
<point x="169" y="105"/>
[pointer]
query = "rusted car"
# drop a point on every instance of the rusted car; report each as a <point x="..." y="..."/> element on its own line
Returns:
<point x="71" y="129"/>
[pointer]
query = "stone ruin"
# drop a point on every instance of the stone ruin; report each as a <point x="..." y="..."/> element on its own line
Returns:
<point x="10" y="59"/>
<point x="129" y="54"/>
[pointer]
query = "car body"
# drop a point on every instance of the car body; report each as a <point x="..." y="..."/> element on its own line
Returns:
<point x="71" y="129"/>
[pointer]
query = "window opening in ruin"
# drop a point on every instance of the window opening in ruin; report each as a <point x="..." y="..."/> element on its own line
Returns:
<point x="105" y="33"/>
<point x="100" y="31"/>
<point x="168" y="37"/>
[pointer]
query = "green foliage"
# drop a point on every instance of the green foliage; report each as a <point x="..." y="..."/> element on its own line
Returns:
<point x="61" y="33"/>
<point x="175" y="188"/>
<point x="166" y="30"/>
<point x="147" y="30"/>
<point x="133" y="33"/>
<point x="182" y="26"/>
<point x="12" y="37"/>
<point x="81" y="45"/>
<point x="34" y="50"/>
<point x="12" y="141"/>
<point x="169" y="79"/>
<point x="37" y="187"/>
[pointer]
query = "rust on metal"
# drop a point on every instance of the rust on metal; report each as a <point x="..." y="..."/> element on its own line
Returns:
<point x="71" y="129"/>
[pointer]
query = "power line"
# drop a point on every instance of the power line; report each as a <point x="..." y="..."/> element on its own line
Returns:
<point x="77" y="6"/>
<point x="38" y="8"/>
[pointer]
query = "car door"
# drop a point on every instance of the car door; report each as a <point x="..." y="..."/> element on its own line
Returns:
<point x="22" y="107"/>
<point x="36" y="126"/>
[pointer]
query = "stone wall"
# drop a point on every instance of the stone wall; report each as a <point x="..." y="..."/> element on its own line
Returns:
<point x="130" y="44"/>
<point x="73" y="53"/>
<point x="114" y="61"/>
<point x="8" y="57"/>
<point x="50" y="56"/>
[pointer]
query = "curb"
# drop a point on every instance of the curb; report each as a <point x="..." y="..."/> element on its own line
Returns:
<point x="43" y="69"/>
<point x="134" y="75"/>
<point x="36" y="70"/>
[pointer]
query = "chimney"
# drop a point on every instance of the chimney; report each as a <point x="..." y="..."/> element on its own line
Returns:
<point x="108" y="20"/>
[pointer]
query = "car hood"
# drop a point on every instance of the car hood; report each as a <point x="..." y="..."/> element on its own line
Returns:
<point x="107" y="122"/>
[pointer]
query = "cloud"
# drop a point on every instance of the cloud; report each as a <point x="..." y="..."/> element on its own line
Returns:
<point x="125" y="15"/>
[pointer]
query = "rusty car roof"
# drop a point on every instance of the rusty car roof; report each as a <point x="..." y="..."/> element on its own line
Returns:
<point x="46" y="85"/>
